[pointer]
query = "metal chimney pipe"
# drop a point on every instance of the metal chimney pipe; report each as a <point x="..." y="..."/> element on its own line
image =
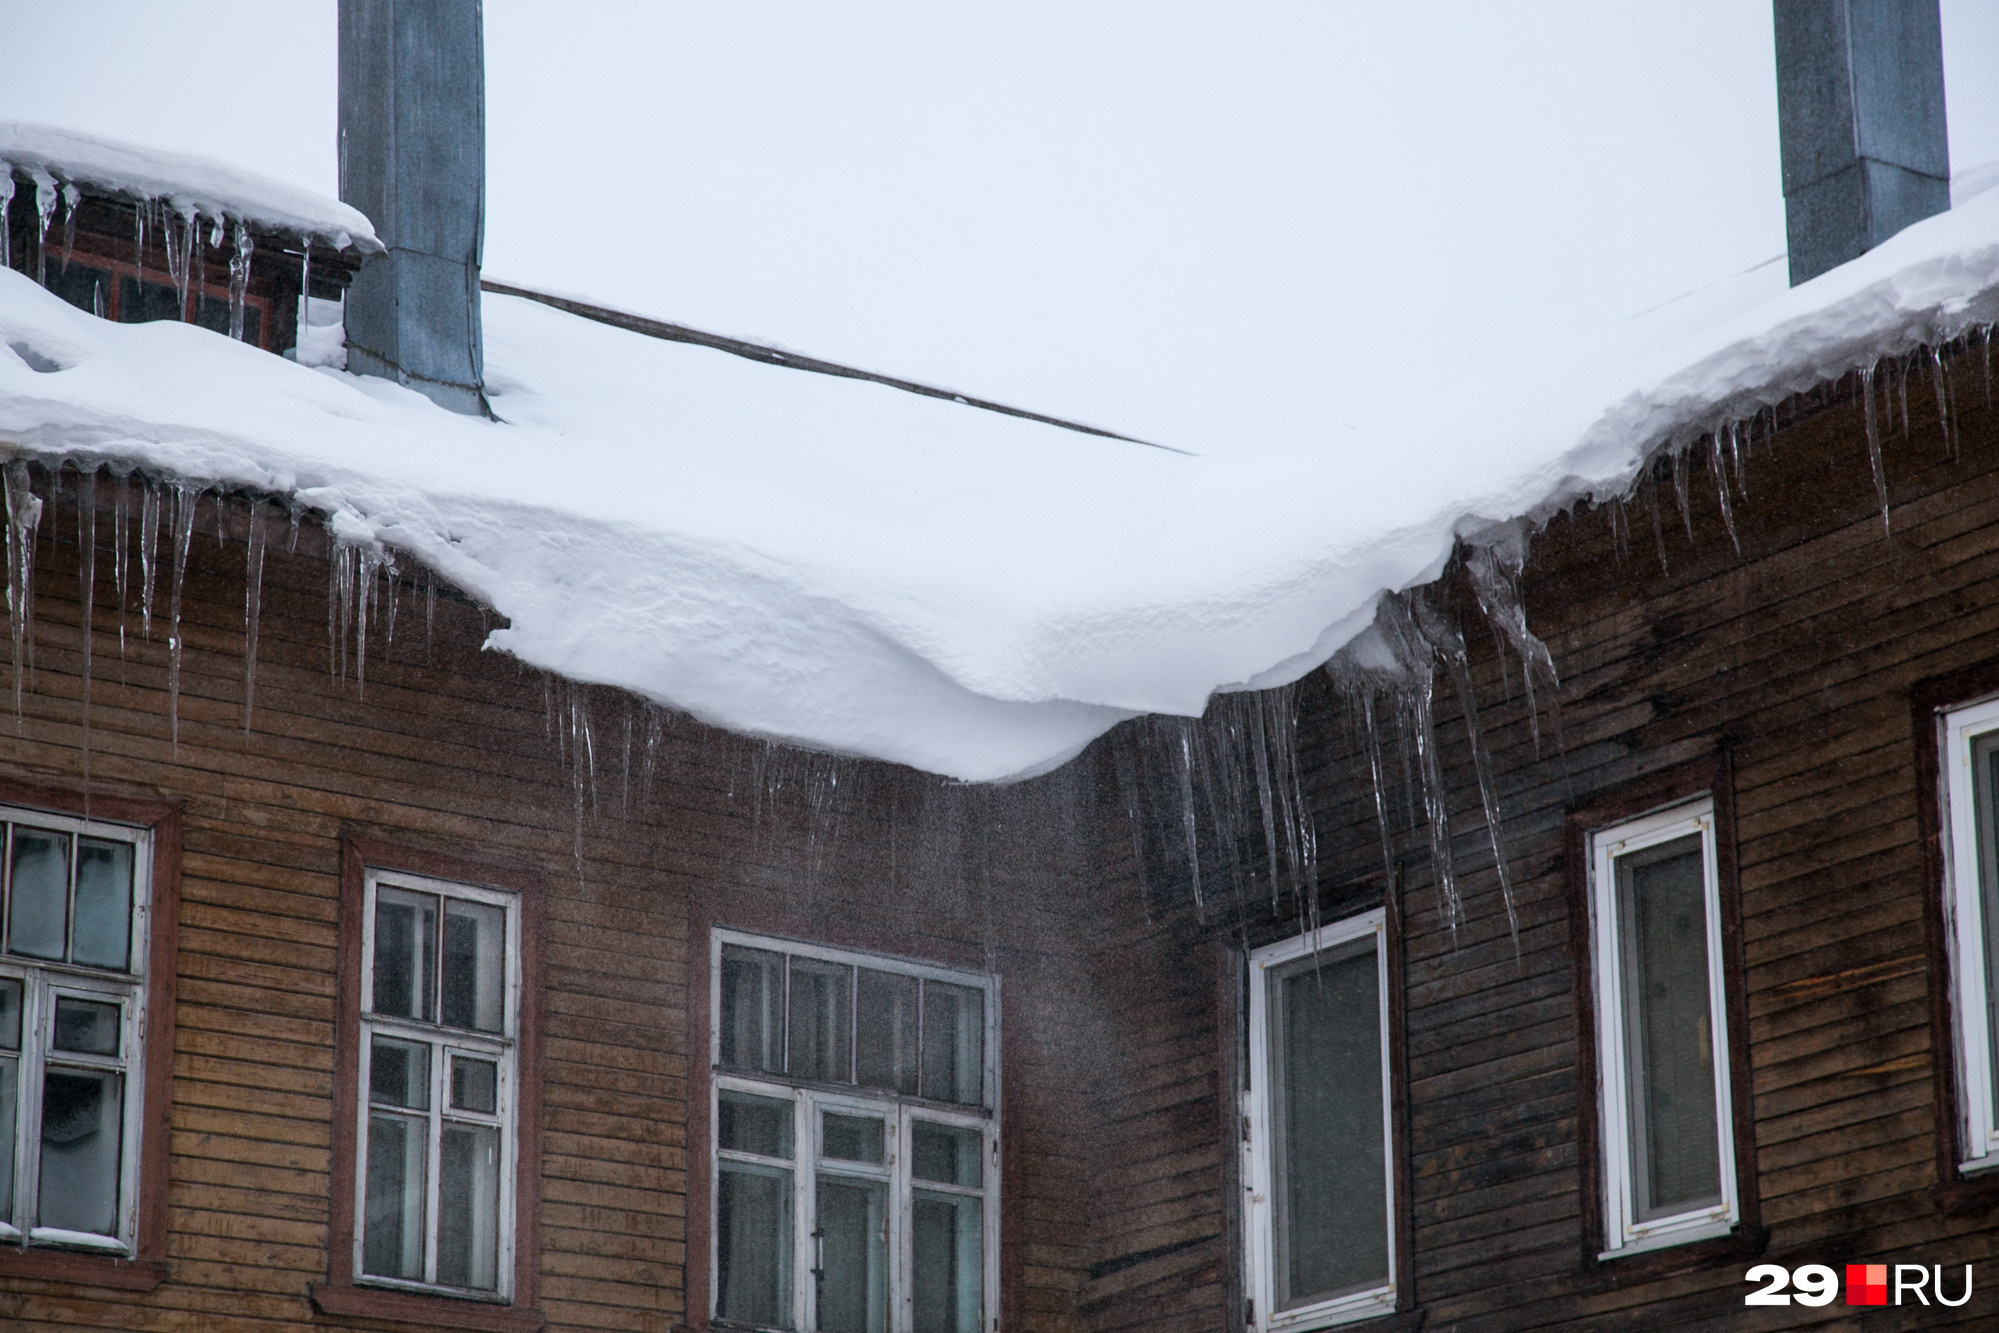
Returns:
<point x="1860" y="112"/>
<point x="413" y="158"/>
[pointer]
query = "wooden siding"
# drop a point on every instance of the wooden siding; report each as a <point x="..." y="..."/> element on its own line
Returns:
<point x="463" y="752"/>
<point x="1797" y="659"/>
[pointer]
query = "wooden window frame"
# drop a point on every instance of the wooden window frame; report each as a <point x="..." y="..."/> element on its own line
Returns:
<point x="146" y="1266"/>
<point x="1257" y="1167"/>
<point x="1678" y="787"/>
<point x="808" y="1097"/>
<point x="832" y="933"/>
<point x="345" y="1292"/>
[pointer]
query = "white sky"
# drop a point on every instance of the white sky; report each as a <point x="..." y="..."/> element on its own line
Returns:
<point x="1229" y="227"/>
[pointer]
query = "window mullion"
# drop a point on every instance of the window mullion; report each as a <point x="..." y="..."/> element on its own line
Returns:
<point x="804" y="1178"/>
<point x="902" y="1274"/>
<point x="28" y="1119"/>
<point x="434" y="1157"/>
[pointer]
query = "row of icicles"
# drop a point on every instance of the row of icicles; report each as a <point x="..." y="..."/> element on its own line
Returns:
<point x="178" y="226"/>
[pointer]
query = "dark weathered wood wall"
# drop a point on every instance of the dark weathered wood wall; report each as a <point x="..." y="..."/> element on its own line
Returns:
<point x="1798" y="658"/>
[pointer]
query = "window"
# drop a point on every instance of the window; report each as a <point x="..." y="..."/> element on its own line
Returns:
<point x="439" y="999"/>
<point x="1668" y="1152"/>
<point x="856" y="1142"/>
<point x="1971" y="795"/>
<point x="1320" y="1197"/>
<point x="72" y="1031"/>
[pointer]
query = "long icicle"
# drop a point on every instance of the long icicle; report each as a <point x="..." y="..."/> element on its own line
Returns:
<point x="253" y="606"/>
<point x="1449" y="643"/>
<point x="24" y="516"/>
<point x="187" y="498"/>
<point x="86" y="547"/>
<point x="1874" y="444"/>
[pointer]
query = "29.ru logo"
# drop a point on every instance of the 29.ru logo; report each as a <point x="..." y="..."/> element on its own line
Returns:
<point x="1866" y="1284"/>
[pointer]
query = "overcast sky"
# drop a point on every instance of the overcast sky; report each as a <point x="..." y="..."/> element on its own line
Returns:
<point x="1227" y="226"/>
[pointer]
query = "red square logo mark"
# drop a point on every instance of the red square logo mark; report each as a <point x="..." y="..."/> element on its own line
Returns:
<point x="1867" y="1284"/>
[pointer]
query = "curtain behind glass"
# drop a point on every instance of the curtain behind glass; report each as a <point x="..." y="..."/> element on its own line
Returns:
<point x="1331" y="1192"/>
<point x="753" y="1245"/>
<point x="468" y="1207"/>
<point x="83" y="1112"/>
<point x="947" y="1253"/>
<point x="853" y="1255"/>
<point x="1669" y="1048"/>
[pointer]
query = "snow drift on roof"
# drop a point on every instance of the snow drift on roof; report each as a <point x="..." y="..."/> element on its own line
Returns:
<point x="186" y="181"/>
<point x="850" y="567"/>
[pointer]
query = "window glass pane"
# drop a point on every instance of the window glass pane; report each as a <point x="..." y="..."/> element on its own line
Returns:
<point x="10" y="1015"/>
<point x="954" y="1043"/>
<point x="761" y="1125"/>
<point x="468" y="1207"/>
<point x="87" y="1027"/>
<point x="399" y="1074"/>
<point x="10" y="1102"/>
<point x="1330" y="1192"/>
<point x="851" y="1138"/>
<point x="392" y="1225"/>
<point x="947" y="1250"/>
<point x="821" y="1024"/>
<point x="475" y="965"/>
<point x="405" y="953"/>
<point x="853" y="1255"/>
<point x="753" y="1245"/>
<point x="752" y="1017"/>
<point x="1669" y="1055"/>
<point x="38" y="915"/>
<point x="1985" y="799"/>
<point x="103" y="904"/>
<point x="885" y="1032"/>
<point x="947" y="1154"/>
<point x="475" y="1085"/>
<point x="83" y="1112"/>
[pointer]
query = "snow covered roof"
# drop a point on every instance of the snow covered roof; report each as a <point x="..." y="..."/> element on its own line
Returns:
<point x="187" y="182"/>
<point x="847" y="566"/>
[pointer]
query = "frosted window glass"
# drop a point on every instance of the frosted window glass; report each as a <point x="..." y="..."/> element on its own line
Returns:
<point x="392" y="1226"/>
<point x="947" y="1253"/>
<point x="954" y="1043"/>
<point x="103" y="904"/>
<point x="821" y="1023"/>
<point x="1662" y="915"/>
<point x="38" y="913"/>
<point x="853" y="1255"/>
<point x="1331" y="1190"/>
<point x="468" y="1207"/>
<point x="475" y="965"/>
<point x="752" y="1009"/>
<point x="83" y="1112"/>
<point x="405" y="954"/>
<point x="753" y="1245"/>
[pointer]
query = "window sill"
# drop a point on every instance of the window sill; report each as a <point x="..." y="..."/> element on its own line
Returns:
<point x="84" y="1269"/>
<point x="1745" y="1242"/>
<point x="429" y="1311"/>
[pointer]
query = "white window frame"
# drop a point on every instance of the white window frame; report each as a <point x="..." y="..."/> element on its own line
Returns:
<point x="1259" y="1168"/>
<point x="1964" y="917"/>
<point x="1623" y="1233"/>
<point x="444" y="1041"/>
<point x="41" y="983"/>
<point x="901" y="1111"/>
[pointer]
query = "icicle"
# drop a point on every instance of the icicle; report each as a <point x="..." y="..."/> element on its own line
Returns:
<point x="1185" y="772"/>
<point x="369" y="568"/>
<point x="1940" y="380"/>
<point x="118" y="576"/>
<point x="86" y="551"/>
<point x="1874" y="443"/>
<point x="429" y="612"/>
<point x="187" y="498"/>
<point x="253" y="605"/>
<point x="1680" y="489"/>
<point x="1124" y="764"/>
<point x="239" y="279"/>
<point x="1651" y="487"/>
<point x="6" y="205"/>
<point x="339" y="607"/>
<point x="24" y="516"/>
<point x="1619" y="540"/>
<point x="149" y="541"/>
<point x="1902" y="368"/>
<point x="97" y="297"/>
<point x="304" y="298"/>
<point x="392" y="578"/>
<point x="1260" y="757"/>
<point x="1449" y="644"/>
<point x="1721" y="493"/>
<point x="1380" y="798"/>
<point x="180" y="250"/>
<point x="218" y="231"/>
<point x="70" y="198"/>
<point x="1985" y="347"/>
<point x="45" y="213"/>
<point x="1494" y="569"/>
